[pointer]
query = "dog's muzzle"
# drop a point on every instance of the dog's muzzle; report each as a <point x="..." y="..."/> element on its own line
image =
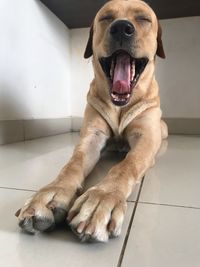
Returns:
<point x="122" y="31"/>
<point x="122" y="68"/>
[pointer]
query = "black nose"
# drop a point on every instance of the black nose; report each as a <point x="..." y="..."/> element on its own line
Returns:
<point x="122" y="29"/>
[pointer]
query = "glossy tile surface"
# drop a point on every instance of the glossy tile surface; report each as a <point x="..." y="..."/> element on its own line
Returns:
<point x="33" y="164"/>
<point x="165" y="227"/>
<point x="175" y="178"/>
<point x="59" y="248"/>
<point x="163" y="236"/>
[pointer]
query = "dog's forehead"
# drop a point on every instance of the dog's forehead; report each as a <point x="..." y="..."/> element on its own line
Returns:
<point x="118" y="7"/>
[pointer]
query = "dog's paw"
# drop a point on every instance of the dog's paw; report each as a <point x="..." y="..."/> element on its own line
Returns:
<point x="97" y="215"/>
<point x="45" y="209"/>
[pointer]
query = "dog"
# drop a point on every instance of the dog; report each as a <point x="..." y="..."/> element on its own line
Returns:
<point x="123" y="103"/>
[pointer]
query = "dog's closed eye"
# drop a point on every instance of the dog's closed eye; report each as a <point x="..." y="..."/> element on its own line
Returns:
<point x="142" y="18"/>
<point x="108" y="17"/>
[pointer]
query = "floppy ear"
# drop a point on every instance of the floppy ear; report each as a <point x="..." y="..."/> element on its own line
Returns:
<point x="89" y="51"/>
<point x="160" y="50"/>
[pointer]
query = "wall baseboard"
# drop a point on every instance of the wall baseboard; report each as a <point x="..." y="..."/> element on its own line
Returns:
<point x="185" y="126"/>
<point x="20" y="130"/>
<point x="182" y="126"/>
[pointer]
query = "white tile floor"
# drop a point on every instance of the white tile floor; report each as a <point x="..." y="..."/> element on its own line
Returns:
<point x="161" y="226"/>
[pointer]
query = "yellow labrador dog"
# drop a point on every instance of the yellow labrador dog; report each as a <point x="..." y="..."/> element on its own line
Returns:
<point x="123" y="103"/>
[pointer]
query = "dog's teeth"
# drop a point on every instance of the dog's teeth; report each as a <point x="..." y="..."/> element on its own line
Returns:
<point x="136" y="77"/>
<point x="120" y="98"/>
<point x="115" y="97"/>
<point x="133" y="71"/>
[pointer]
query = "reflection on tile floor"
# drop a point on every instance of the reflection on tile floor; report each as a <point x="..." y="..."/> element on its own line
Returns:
<point x="164" y="230"/>
<point x="60" y="248"/>
<point x="164" y="236"/>
<point x="175" y="178"/>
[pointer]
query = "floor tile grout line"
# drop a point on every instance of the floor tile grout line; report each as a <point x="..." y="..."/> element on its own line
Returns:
<point x="129" y="226"/>
<point x="167" y="205"/>
<point x="17" y="189"/>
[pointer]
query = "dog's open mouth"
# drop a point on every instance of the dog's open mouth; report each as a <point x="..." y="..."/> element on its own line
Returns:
<point x="123" y="72"/>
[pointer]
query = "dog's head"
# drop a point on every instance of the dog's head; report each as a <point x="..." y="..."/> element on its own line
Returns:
<point x="124" y="38"/>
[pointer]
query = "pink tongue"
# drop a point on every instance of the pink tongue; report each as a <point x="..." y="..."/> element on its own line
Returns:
<point x="122" y="72"/>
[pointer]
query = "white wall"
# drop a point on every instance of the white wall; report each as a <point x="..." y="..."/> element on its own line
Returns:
<point x="34" y="62"/>
<point x="81" y="71"/>
<point x="178" y="74"/>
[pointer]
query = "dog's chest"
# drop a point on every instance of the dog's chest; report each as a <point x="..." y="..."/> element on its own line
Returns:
<point x="118" y="125"/>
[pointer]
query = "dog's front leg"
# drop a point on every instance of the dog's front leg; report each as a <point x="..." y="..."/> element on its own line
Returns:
<point x="99" y="212"/>
<point x="49" y="205"/>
